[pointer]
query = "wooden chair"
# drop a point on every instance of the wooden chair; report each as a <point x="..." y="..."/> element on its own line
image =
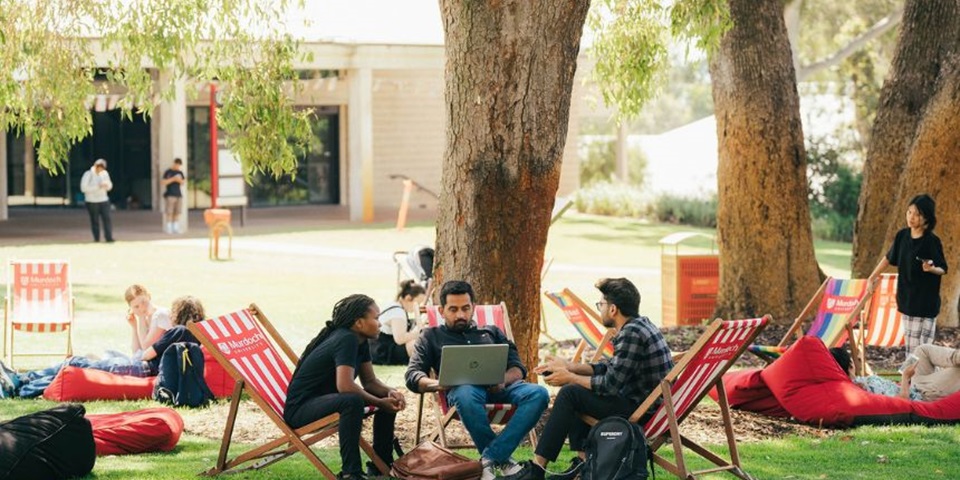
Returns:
<point x="39" y="301"/>
<point x="245" y="344"/>
<point x="587" y="322"/>
<point x="836" y="307"/>
<point x="699" y="370"/>
<point x="443" y="412"/>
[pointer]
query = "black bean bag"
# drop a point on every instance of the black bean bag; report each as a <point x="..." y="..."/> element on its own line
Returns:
<point x="52" y="444"/>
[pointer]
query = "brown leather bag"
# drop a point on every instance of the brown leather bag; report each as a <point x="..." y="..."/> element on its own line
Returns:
<point x="429" y="461"/>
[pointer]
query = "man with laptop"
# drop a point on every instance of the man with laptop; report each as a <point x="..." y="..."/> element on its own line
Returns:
<point x="477" y="366"/>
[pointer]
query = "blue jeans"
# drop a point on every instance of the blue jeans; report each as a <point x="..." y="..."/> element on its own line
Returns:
<point x="531" y="401"/>
<point x="32" y="384"/>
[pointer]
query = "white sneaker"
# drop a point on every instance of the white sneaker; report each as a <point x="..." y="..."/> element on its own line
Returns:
<point x="510" y="467"/>
<point x="489" y="470"/>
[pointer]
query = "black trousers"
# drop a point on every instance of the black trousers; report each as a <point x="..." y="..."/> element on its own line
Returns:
<point x="350" y="407"/>
<point x="98" y="211"/>
<point x="565" y="421"/>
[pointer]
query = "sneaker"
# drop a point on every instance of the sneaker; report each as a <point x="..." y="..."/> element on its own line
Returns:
<point x="528" y="471"/>
<point x="489" y="470"/>
<point x="571" y="473"/>
<point x="510" y="467"/>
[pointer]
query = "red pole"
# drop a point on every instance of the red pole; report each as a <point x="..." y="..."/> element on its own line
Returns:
<point x="214" y="149"/>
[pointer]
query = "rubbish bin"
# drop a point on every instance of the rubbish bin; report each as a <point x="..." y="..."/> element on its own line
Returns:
<point x="689" y="282"/>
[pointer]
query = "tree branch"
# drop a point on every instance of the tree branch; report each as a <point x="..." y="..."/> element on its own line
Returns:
<point x="879" y="28"/>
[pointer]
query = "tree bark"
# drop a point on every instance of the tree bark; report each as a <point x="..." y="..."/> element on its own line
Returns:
<point x="932" y="168"/>
<point x="927" y="38"/>
<point x="767" y="263"/>
<point x="509" y="75"/>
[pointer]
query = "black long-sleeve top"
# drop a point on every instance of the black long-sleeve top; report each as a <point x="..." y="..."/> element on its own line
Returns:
<point x="426" y="356"/>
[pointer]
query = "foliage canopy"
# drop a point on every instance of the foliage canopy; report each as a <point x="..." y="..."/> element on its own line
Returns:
<point x="57" y="55"/>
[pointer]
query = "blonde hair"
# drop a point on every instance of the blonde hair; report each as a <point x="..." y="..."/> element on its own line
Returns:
<point x="134" y="291"/>
<point x="186" y="308"/>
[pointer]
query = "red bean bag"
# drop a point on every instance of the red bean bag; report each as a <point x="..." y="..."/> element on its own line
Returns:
<point x="747" y="391"/>
<point x="219" y="381"/>
<point x="141" y="431"/>
<point x="810" y="385"/>
<point x="74" y="384"/>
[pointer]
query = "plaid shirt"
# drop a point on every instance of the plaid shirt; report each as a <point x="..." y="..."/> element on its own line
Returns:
<point x="641" y="359"/>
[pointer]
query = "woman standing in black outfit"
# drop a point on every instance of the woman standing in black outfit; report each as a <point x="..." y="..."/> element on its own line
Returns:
<point x="324" y="382"/>
<point x="918" y="255"/>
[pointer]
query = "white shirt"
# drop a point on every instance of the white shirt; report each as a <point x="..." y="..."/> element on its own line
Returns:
<point x="95" y="186"/>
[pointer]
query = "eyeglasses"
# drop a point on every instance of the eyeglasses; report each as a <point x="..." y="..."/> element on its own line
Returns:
<point x="601" y="304"/>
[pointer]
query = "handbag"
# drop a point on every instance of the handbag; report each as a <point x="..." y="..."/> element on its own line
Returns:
<point x="429" y="461"/>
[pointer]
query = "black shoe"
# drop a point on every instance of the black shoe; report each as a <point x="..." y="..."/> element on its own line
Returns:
<point x="571" y="473"/>
<point x="529" y="471"/>
<point x="110" y="240"/>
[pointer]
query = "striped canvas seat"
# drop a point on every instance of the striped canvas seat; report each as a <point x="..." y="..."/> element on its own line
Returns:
<point x="884" y="328"/>
<point x="246" y="345"/>
<point x="39" y="300"/>
<point x="587" y="323"/>
<point x="497" y="413"/>
<point x="838" y="304"/>
<point x="698" y="371"/>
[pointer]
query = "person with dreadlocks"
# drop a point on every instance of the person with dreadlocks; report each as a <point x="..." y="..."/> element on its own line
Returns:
<point x="324" y="383"/>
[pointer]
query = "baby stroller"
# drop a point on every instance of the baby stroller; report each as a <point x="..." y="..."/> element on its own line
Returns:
<point x="416" y="264"/>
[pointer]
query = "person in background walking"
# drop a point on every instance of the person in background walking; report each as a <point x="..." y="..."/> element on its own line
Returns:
<point x="173" y="181"/>
<point x="95" y="184"/>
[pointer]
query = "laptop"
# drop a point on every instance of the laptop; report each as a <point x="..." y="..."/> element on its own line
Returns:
<point x="472" y="365"/>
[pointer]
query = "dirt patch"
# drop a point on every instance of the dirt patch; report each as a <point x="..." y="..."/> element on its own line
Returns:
<point x="703" y="425"/>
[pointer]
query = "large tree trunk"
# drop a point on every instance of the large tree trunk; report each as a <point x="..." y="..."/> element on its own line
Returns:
<point x="767" y="263"/>
<point x="927" y="38"/>
<point x="932" y="168"/>
<point x="509" y="75"/>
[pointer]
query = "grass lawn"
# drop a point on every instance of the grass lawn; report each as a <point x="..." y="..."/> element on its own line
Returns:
<point x="296" y="277"/>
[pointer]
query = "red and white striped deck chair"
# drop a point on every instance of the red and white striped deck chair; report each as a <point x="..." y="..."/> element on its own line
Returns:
<point x="498" y="413"/>
<point x="246" y="345"/>
<point x="39" y="300"/>
<point x="883" y="322"/>
<point x="699" y="370"/>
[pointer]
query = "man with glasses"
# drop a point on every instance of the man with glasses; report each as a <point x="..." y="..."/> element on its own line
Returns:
<point x="641" y="359"/>
<point x="458" y="328"/>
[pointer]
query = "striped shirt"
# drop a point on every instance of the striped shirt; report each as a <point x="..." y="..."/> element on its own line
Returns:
<point x="641" y="359"/>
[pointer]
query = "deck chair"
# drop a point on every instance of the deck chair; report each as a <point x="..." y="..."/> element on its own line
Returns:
<point x="882" y="320"/>
<point x="699" y="370"/>
<point x="39" y="300"/>
<point x="838" y="303"/>
<point x="443" y="412"/>
<point x="586" y="321"/>
<point x="245" y="344"/>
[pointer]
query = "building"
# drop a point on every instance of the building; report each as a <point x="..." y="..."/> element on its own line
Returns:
<point x="377" y="90"/>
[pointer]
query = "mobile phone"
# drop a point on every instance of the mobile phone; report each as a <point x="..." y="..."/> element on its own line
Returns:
<point x="911" y="360"/>
<point x="924" y="260"/>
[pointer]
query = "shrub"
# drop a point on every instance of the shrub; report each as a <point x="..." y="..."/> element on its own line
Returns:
<point x="699" y="212"/>
<point x="598" y="162"/>
<point x="834" y="190"/>
<point x="612" y="199"/>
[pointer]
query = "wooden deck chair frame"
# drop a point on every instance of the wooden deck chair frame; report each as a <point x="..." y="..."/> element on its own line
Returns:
<point x="795" y="332"/>
<point x="12" y="323"/>
<point x="444" y="419"/>
<point x="292" y="440"/>
<point x="881" y="324"/>
<point x="603" y="344"/>
<point x="673" y="419"/>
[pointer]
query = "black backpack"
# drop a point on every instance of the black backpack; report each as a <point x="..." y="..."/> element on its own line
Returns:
<point x="616" y="450"/>
<point x="180" y="380"/>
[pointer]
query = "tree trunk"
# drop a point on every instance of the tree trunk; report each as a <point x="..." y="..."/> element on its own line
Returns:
<point x="509" y="76"/>
<point x="927" y="37"/>
<point x="767" y="263"/>
<point x="932" y="168"/>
